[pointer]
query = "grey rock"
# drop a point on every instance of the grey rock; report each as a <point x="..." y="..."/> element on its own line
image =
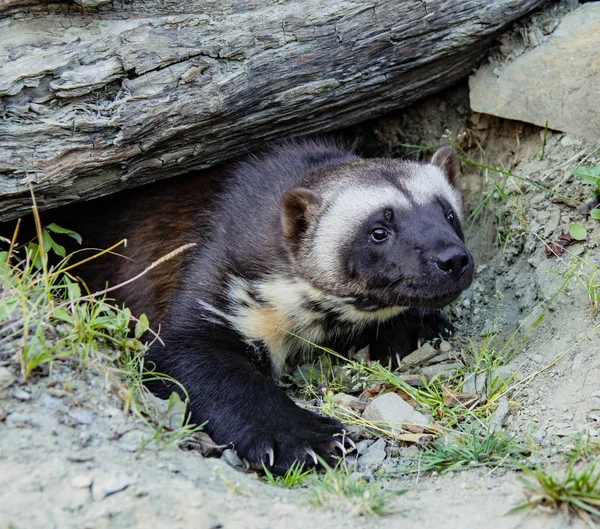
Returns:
<point x="448" y="367"/>
<point x="18" y="393"/>
<point x="556" y="82"/>
<point x="500" y="414"/>
<point x="108" y="484"/>
<point x="362" y="446"/>
<point x="348" y="401"/>
<point x="469" y="384"/>
<point x="373" y="456"/>
<point x="391" y="410"/>
<point x="480" y="382"/>
<point x="82" y="416"/>
<point x="445" y="347"/>
<point x="81" y="481"/>
<point x="420" y="356"/>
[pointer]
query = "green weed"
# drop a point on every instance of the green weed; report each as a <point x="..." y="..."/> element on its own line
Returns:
<point x="575" y="492"/>
<point x="473" y="448"/>
<point x="294" y="476"/>
<point x="339" y="490"/>
<point x="45" y="318"/>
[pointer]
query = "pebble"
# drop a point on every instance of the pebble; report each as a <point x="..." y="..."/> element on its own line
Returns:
<point x="445" y="347"/>
<point x="420" y="356"/>
<point x="82" y="416"/>
<point x="480" y="381"/>
<point x="361" y="446"/>
<point x="374" y="455"/>
<point x="469" y="384"/>
<point x="20" y="394"/>
<point x="81" y="481"/>
<point x="448" y="368"/>
<point x="500" y="413"/>
<point x="108" y="484"/>
<point x="392" y="410"/>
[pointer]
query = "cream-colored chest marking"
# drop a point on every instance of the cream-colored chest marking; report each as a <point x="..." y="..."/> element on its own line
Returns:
<point x="276" y="315"/>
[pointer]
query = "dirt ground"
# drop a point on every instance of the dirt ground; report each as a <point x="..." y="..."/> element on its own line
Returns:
<point x="70" y="457"/>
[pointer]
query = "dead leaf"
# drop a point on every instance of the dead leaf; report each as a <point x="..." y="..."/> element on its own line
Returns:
<point x="557" y="248"/>
<point x="456" y="398"/>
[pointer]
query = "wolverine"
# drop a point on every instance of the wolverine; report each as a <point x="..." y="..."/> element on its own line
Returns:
<point x="304" y="244"/>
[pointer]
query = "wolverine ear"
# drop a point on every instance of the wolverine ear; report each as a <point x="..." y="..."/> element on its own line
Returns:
<point x="447" y="161"/>
<point x="299" y="207"/>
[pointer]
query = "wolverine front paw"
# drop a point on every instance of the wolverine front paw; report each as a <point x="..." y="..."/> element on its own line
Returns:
<point x="296" y="435"/>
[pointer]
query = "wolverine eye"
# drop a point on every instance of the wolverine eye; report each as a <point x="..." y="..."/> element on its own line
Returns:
<point x="450" y="217"/>
<point x="379" y="234"/>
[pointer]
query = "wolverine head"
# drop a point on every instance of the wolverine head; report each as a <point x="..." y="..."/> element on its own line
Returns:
<point x="381" y="233"/>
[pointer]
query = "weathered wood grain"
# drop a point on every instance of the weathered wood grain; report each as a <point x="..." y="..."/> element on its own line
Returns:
<point x="100" y="95"/>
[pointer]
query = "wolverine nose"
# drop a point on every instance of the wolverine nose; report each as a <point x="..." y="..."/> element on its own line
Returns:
<point x="452" y="261"/>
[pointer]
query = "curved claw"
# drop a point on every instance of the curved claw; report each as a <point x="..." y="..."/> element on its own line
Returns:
<point x="271" y="455"/>
<point x="312" y="454"/>
<point x="350" y="442"/>
<point x="340" y="446"/>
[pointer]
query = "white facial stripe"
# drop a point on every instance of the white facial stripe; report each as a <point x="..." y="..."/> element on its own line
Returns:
<point x="428" y="181"/>
<point x="339" y="223"/>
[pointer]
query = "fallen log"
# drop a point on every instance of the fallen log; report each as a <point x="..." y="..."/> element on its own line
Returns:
<point x="98" y="95"/>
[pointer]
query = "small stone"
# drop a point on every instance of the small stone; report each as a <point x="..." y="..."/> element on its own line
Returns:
<point x="469" y="384"/>
<point x="448" y="368"/>
<point x="361" y="446"/>
<point x="374" y="455"/>
<point x="445" y="347"/>
<point x="566" y="141"/>
<point x="595" y="394"/>
<point x="420" y="356"/>
<point x="480" y="381"/>
<point x="348" y="401"/>
<point x="500" y="413"/>
<point x="20" y="394"/>
<point x="391" y="410"/>
<point x="108" y="484"/>
<point x="81" y="481"/>
<point x="82" y="416"/>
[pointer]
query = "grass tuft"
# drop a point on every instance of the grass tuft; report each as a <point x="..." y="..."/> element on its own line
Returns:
<point x="576" y="492"/>
<point x="490" y="448"/>
<point x="339" y="490"/>
<point x="294" y="476"/>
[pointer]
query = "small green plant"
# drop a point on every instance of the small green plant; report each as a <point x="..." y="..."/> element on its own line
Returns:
<point x="473" y="448"/>
<point x="339" y="490"/>
<point x="294" y="476"/>
<point x="591" y="175"/>
<point x="575" y="492"/>
<point x="45" y="318"/>
<point x="583" y="448"/>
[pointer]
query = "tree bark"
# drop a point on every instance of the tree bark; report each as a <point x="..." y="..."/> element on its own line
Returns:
<point x="100" y="95"/>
